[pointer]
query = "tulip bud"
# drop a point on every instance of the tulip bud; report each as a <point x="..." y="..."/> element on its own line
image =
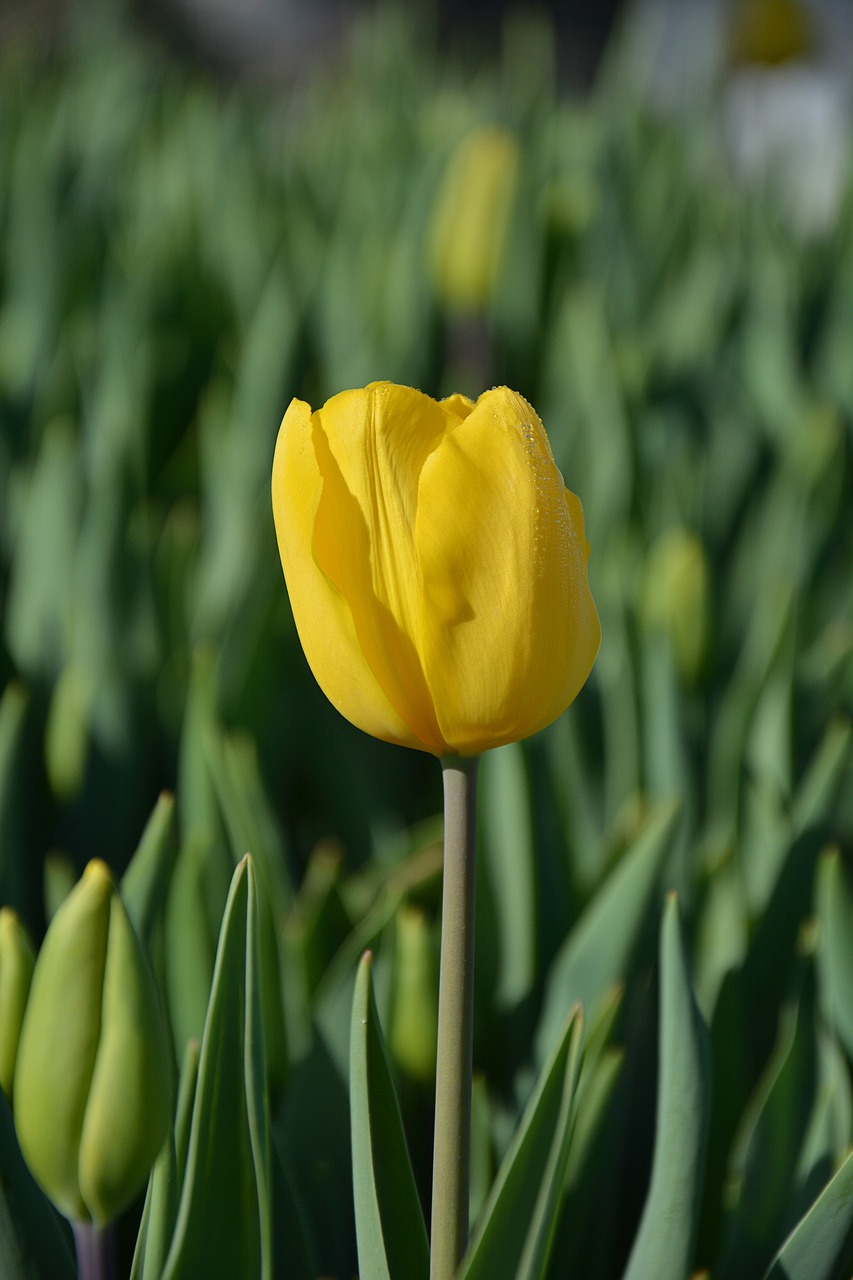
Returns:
<point x="92" y="1097"/>
<point x="471" y="218"/>
<point x="676" y="597"/>
<point x="414" y="1011"/>
<point x="770" y="32"/>
<point x="16" y="971"/>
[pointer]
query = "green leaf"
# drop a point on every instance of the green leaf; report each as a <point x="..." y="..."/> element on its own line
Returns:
<point x="249" y="820"/>
<point x="516" y="1230"/>
<point x="664" y="1240"/>
<point x="819" y="1245"/>
<point x="764" y="1170"/>
<point x="32" y="1246"/>
<point x="228" y="1158"/>
<point x="161" y="1199"/>
<point x="14" y="854"/>
<point x="510" y="867"/>
<point x="197" y="896"/>
<point x="598" y="951"/>
<point x="392" y="1239"/>
<point x="145" y="883"/>
<point x="835" y="945"/>
<point x="816" y="793"/>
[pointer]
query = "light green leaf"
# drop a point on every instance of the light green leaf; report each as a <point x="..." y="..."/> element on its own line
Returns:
<point x="228" y="1158"/>
<point x="815" y="1249"/>
<point x="197" y="896"/>
<point x="824" y="774"/>
<point x="598" y="951"/>
<point x="510" y="866"/>
<point x="161" y="1199"/>
<point x="835" y="945"/>
<point x="145" y="883"/>
<point x="664" y="1241"/>
<point x="516" y="1230"/>
<point x="392" y="1239"/>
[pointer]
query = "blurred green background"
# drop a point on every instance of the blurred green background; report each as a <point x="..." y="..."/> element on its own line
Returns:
<point x="182" y="250"/>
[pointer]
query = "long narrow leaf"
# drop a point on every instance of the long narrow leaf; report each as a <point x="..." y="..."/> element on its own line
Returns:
<point x="597" y="953"/>
<point x="664" y="1241"/>
<point x="514" y="1235"/>
<point x="820" y="1242"/>
<point x="227" y="1177"/>
<point x="392" y="1239"/>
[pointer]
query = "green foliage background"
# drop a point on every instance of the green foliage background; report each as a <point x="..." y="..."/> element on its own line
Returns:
<point x="178" y="257"/>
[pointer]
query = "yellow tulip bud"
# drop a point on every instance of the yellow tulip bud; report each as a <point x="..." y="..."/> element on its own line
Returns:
<point x="771" y="32"/>
<point x="16" y="971"/>
<point x="436" y="565"/>
<point x="676" y="596"/>
<point x="92" y="1097"/>
<point x="471" y="218"/>
<point x="414" y="1009"/>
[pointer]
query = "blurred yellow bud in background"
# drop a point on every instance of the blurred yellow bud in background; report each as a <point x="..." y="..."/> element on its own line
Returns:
<point x="471" y="218"/>
<point x="92" y="1095"/>
<point x="414" y="1006"/>
<point x="676" y="597"/>
<point x="436" y="565"/>
<point x="770" y="32"/>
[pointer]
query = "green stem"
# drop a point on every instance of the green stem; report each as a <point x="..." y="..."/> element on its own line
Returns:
<point x="452" y="1150"/>
<point x="95" y="1257"/>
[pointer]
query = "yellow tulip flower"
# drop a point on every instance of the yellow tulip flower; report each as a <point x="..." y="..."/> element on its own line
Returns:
<point x="436" y="565"/>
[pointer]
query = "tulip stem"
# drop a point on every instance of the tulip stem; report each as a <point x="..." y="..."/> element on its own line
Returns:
<point x="95" y="1256"/>
<point x="452" y="1149"/>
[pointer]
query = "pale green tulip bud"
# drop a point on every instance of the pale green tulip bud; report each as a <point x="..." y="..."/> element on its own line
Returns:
<point x="414" y="1011"/>
<point x="16" y="972"/>
<point x="676" y="597"/>
<point x="471" y="218"/>
<point x="92" y="1099"/>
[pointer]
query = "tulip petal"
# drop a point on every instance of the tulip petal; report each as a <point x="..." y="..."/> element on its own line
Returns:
<point x="508" y="628"/>
<point x="322" y="616"/>
<point x="371" y="446"/>
<point x="344" y="497"/>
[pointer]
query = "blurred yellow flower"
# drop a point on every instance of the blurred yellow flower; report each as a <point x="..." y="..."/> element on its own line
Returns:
<point x="471" y="218"/>
<point x="436" y="565"/>
<point x="676" y="597"/>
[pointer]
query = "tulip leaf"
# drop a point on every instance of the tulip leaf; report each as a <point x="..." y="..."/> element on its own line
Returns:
<point x="664" y="1241"/>
<point x="14" y="705"/>
<point x="32" y="1244"/>
<point x="835" y="944"/>
<point x="510" y="867"/>
<point x="228" y="1162"/>
<point x="161" y="1199"/>
<point x="249" y="820"/>
<point x="770" y="1141"/>
<point x="819" y="1246"/>
<point x="197" y="896"/>
<point x="392" y="1239"/>
<point x="158" y="1215"/>
<point x="824" y="774"/>
<point x="597" y="953"/>
<point x="145" y="883"/>
<point x="516" y="1229"/>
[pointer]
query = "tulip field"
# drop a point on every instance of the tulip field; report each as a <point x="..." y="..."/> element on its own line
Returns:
<point x="218" y="1065"/>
